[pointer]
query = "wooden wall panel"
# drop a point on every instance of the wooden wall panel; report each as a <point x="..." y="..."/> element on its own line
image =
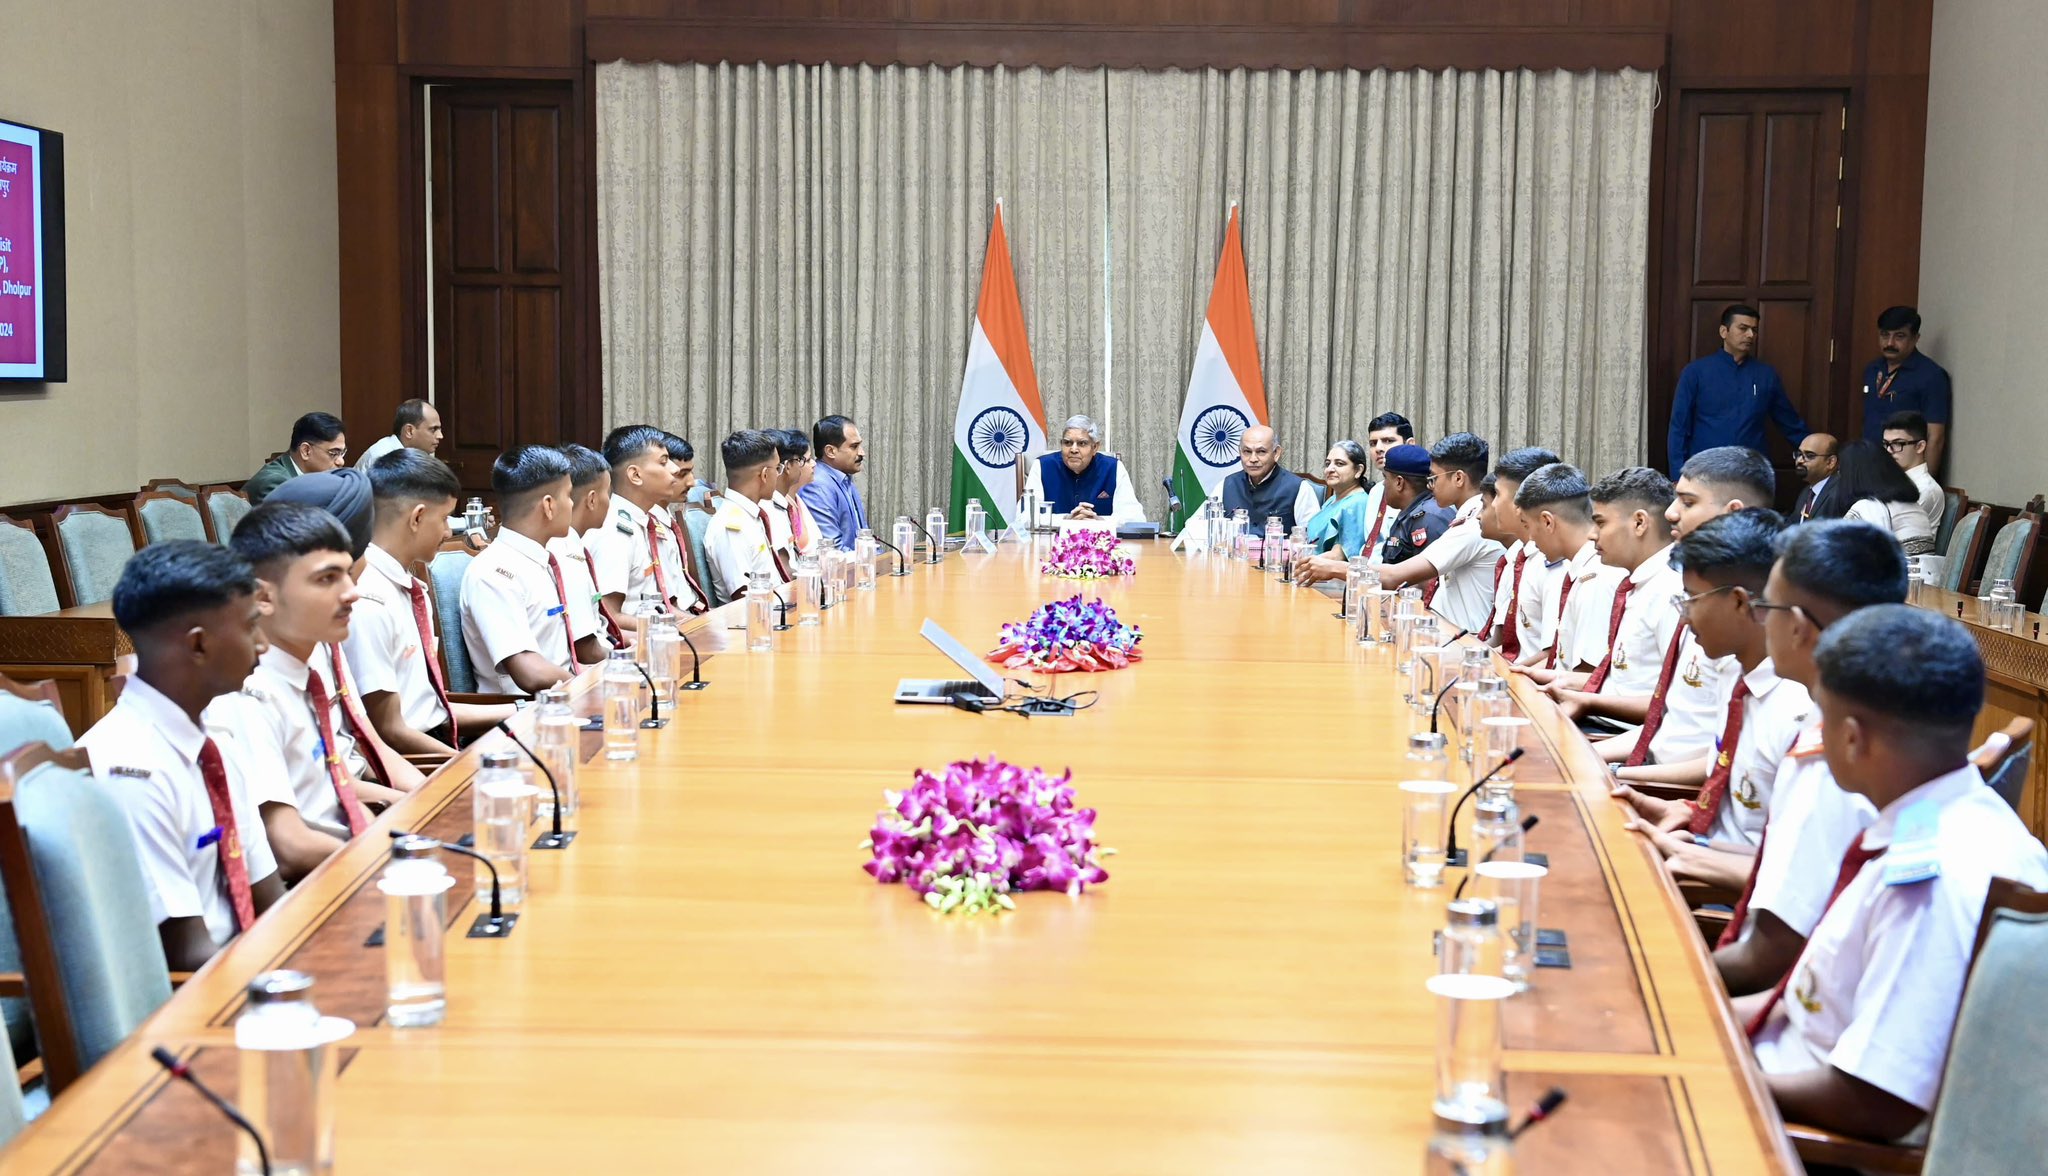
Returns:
<point x="499" y="34"/>
<point x="1762" y="42"/>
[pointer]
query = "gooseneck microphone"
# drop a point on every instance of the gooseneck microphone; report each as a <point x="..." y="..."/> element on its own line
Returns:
<point x="934" y="544"/>
<point x="1544" y="1108"/>
<point x="1529" y="822"/>
<point x="653" y="721"/>
<point x="180" y="1070"/>
<point x="495" y="925"/>
<point x="1451" y="846"/>
<point x="554" y="838"/>
<point x="782" y="608"/>
<point x="696" y="681"/>
<point x="902" y="560"/>
<point x="1443" y="692"/>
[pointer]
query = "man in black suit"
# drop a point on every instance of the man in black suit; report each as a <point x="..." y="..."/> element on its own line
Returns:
<point x="1817" y="457"/>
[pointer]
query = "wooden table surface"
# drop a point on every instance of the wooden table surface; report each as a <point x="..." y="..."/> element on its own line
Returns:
<point x="706" y="980"/>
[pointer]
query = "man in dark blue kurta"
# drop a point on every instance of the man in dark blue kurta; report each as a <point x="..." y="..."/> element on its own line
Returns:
<point x="1903" y="380"/>
<point x="1724" y="398"/>
<point x="1082" y="482"/>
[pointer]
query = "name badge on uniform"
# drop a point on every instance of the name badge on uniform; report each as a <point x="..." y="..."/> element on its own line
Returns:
<point x="1912" y="856"/>
<point x="555" y="611"/>
<point x="208" y="838"/>
<point x="129" y="773"/>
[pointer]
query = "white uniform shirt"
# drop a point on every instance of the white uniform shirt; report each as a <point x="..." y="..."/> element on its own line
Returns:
<point x="1124" y="507"/>
<point x="146" y="751"/>
<point x="1932" y="501"/>
<point x="510" y="605"/>
<point x="1647" y="624"/>
<point x="624" y="565"/>
<point x="1504" y="588"/>
<point x="271" y="722"/>
<point x="388" y="443"/>
<point x="1376" y="508"/>
<point x="1582" y="625"/>
<point x="1463" y="559"/>
<point x="736" y="545"/>
<point x="1773" y="715"/>
<point x="782" y="507"/>
<point x="1542" y="588"/>
<point x="1812" y="824"/>
<point x="1876" y="991"/>
<point x="384" y="649"/>
<point x="582" y="591"/>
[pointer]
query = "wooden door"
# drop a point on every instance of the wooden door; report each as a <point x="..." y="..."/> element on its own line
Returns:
<point x="504" y="318"/>
<point x="1757" y="220"/>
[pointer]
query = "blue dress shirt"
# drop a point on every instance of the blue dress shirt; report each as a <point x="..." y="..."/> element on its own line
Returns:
<point x="1919" y="386"/>
<point x="1722" y="402"/>
<point x="836" y="506"/>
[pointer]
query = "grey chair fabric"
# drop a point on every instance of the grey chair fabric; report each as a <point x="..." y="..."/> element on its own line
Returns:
<point x="1982" y="1123"/>
<point x="97" y="905"/>
<point x="446" y="570"/>
<point x="1951" y="510"/>
<point x="96" y="548"/>
<point x="26" y="585"/>
<point x="695" y="524"/>
<point x="171" y="518"/>
<point x="21" y="723"/>
<point x="2011" y="777"/>
<point x="1955" y="572"/>
<point x="13" y="1109"/>
<point x="2007" y="547"/>
<point x="227" y="509"/>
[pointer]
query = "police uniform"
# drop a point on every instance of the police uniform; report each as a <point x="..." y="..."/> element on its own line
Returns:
<point x="1812" y="824"/>
<point x="273" y="724"/>
<point x="1463" y="559"/>
<point x="1648" y="623"/>
<point x="1875" y="993"/>
<point x="1773" y="714"/>
<point x="738" y="544"/>
<point x="1583" y="616"/>
<point x="1414" y="529"/>
<point x="515" y="600"/>
<point x="390" y="647"/>
<point x="147" y="752"/>
<point x="627" y="562"/>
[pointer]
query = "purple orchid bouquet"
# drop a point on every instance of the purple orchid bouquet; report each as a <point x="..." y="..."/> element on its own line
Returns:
<point x="968" y="838"/>
<point x="1068" y="635"/>
<point x="1087" y="553"/>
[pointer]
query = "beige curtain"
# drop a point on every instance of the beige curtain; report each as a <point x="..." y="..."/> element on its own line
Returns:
<point x="780" y="242"/>
<point x="1465" y="248"/>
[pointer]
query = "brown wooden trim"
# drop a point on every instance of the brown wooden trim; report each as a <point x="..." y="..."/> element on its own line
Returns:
<point x="1163" y="46"/>
<point x="142" y="528"/>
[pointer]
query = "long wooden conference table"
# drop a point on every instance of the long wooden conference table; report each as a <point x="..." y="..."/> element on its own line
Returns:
<point x="706" y="980"/>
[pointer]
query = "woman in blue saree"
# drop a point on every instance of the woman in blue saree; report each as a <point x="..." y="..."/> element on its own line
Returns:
<point x="1341" y="526"/>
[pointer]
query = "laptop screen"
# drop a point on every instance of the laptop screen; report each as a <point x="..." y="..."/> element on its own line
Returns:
<point x="969" y="664"/>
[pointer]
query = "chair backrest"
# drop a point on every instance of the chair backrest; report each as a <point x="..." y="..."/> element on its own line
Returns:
<point x="223" y="506"/>
<point x="444" y="578"/>
<point x="184" y="490"/>
<point x="2011" y="549"/>
<point x="94" y="544"/>
<point x="2000" y="1039"/>
<point x="27" y="586"/>
<point x="695" y="524"/>
<point x="80" y="910"/>
<point x="31" y="712"/>
<point x="167" y="515"/>
<point x="2005" y="758"/>
<point x="1954" y="500"/>
<point x="1965" y="547"/>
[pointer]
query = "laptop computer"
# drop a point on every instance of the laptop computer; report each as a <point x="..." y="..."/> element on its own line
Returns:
<point x="982" y="681"/>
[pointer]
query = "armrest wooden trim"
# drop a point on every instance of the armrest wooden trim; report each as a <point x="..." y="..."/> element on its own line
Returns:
<point x="1816" y="1146"/>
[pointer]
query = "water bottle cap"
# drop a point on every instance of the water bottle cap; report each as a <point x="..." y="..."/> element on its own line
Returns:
<point x="555" y="694"/>
<point x="501" y="759"/>
<point x="1472" y="912"/>
<point x="1428" y="741"/>
<point x="281" y="985"/>
<point x="413" y="847"/>
<point x="622" y="657"/>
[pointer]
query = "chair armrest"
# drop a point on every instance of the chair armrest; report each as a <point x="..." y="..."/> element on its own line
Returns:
<point x="179" y="978"/>
<point x="487" y="699"/>
<point x="1667" y="791"/>
<point x="1816" y="1146"/>
<point x="1698" y="894"/>
<point x="426" y="759"/>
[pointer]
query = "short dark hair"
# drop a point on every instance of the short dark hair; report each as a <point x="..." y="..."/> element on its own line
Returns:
<point x="1738" y="310"/>
<point x="1734" y="471"/>
<point x="520" y="472"/>
<point x="276" y="533"/>
<point x="586" y="465"/>
<point x="1909" y="664"/>
<point x="1866" y="471"/>
<point x="1517" y="464"/>
<point x="1489" y="486"/>
<point x="1635" y="486"/>
<point x="412" y="476"/>
<point x="1849" y="564"/>
<point x="1736" y="548"/>
<point x="1461" y="451"/>
<point x="1556" y="485"/>
<point x="829" y="430"/>
<point x="1893" y="318"/>
<point x="170" y="581"/>
<point x="1391" y="420"/>
<point x="679" y="450"/>
<point x="744" y="450"/>
<point x="315" y="427"/>
<point x="410" y="412"/>
<point x="1911" y="423"/>
<point x="629" y="443"/>
<point x="789" y="443"/>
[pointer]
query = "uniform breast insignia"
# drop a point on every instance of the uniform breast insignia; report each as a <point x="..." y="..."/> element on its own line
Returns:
<point x="624" y="527"/>
<point x="1745" y="793"/>
<point x="506" y="572"/>
<point x="1807" y="992"/>
<point x="1693" y="676"/>
<point x="254" y="692"/>
<point x="1419" y="536"/>
<point x="131" y="773"/>
<point x="1620" y="661"/>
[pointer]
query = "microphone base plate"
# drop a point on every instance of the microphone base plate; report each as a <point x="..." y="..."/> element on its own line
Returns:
<point x="1457" y="860"/>
<point x="693" y="686"/>
<point x="486" y="927"/>
<point x="552" y="840"/>
<point x="653" y="724"/>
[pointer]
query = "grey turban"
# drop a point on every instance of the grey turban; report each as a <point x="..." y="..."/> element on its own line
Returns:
<point x="343" y="493"/>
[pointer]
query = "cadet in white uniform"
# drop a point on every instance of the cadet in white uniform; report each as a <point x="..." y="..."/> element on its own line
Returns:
<point x="516" y="621"/>
<point x="1633" y="537"/>
<point x="1874" y="996"/>
<point x="636" y="551"/>
<point x="1555" y="503"/>
<point x="739" y="543"/>
<point x="789" y="520"/>
<point x="590" y="504"/>
<point x="191" y="610"/>
<point x="1461" y="560"/>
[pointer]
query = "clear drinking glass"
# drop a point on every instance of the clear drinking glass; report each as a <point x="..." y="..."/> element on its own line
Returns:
<point x="640" y="612"/>
<point x="501" y="801"/>
<point x="1470" y="1149"/>
<point x="865" y="551"/>
<point x="555" y="744"/>
<point x="1471" y="941"/>
<point x="1504" y="733"/>
<point x="904" y="535"/>
<point x="1404" y="644"/>
<point x="1424" y="804"/>
<point x="415" y="887"/>
<point x="621" y="707"/>
<point x="1470" y="1086"/>
<point x="664" y="657"/>
<point x="810" y="590"/>
<point x="1489" y="700"/>
<point x="761" y="601"/>
<point x="1514" y="887"/>
<point x="288" y="1064"/>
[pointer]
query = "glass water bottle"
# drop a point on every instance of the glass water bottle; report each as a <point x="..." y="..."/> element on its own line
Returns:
<point x="621" y="707"/>
<point x="810" y="590"/>
<point x="288" y="1065"/>
<point x="904" y="535"/>
<point x="1496" y="824"/>
<point x="415" y="887"/>
<point x="934" y="535"/>
<point x="501" y="800"/>
<point x="556" y="746"/>
<point x="761" y="601"/>
<point x="865" y="551"/>
<point x="664" y="657"/>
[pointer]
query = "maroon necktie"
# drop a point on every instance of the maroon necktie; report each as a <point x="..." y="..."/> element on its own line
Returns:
<point x="1511" y="629"/>
<point x="233" y="866"/>
<point x="1714" y="793"/>
<point x="1500" y="565"/>
<point x="562" y="594"/>
<point x="1557" y="635"/>
<point x="1852" y="865"/>
<point x="352" y="810"/>
<point x="612" y="631"/>
<point x="1653" y="719"/>
<point x="701" y="603"/>
<point x="1606" y="665"/>
<point x="427" y="651"/>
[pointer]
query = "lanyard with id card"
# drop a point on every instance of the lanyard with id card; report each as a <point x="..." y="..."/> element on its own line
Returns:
<point x="1913" y="854"/>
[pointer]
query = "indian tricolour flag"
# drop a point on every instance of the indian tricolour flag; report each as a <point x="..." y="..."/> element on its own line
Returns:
<point x="1001" y="417"/>
<point x="1226" y="394"/>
